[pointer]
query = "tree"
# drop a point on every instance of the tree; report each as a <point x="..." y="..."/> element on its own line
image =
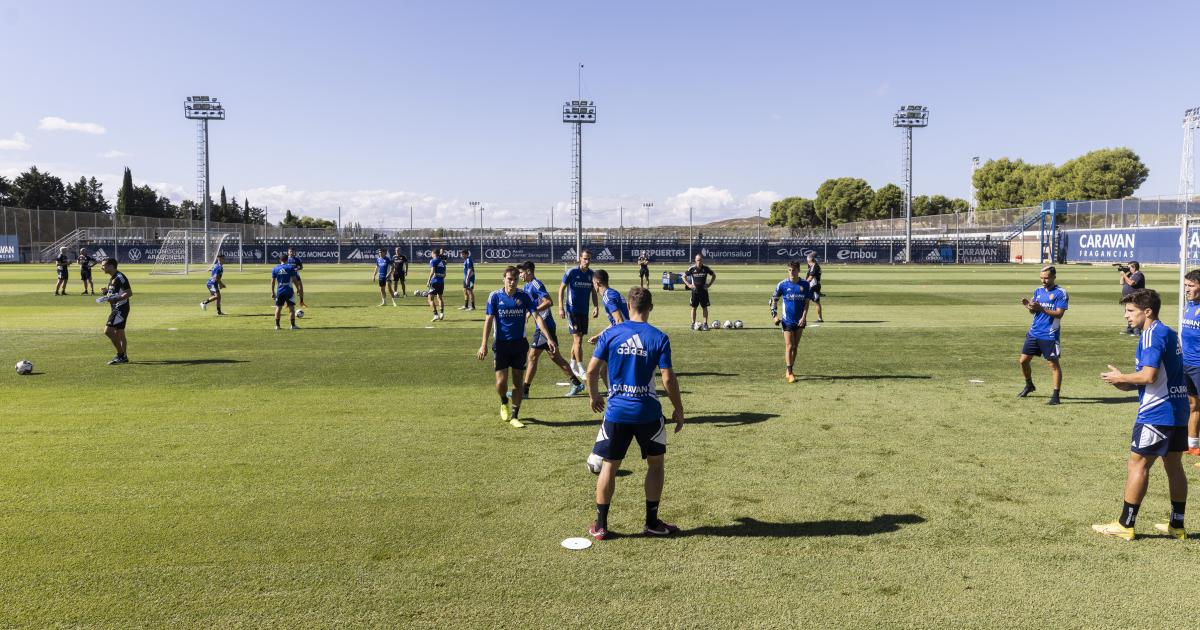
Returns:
<point x="77" y="196"/>
<point x="96" y="200"/>
<point x="843" y="200"/>
<point x="1006" y="183"/>
<point x="319" y="224"/>
<point x="793" y="213"/>
<point x="6" y="191"/>
<point x="888" y="202"/>
<point x="125" y="195"/>
<point x="290" y="220"/>
<point x="1101" y="174"/>
<point x="36" y="189"/>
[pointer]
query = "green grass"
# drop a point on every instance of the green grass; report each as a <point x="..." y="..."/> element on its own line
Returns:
<point x="355" y="473"/>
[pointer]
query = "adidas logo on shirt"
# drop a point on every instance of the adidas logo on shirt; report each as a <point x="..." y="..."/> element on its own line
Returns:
<point x="633" y="346"/>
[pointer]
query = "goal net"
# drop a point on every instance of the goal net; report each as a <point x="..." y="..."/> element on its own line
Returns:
<point x="184" y="251"/>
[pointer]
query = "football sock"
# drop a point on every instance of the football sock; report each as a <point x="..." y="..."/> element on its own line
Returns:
<point x="1193" y="442"/>
<point x="1177" y="508"/>
<point x="516" y="411"/>
<point x="503" y="399"/>
<point x="575" y="381"/>
<point x="651" y="513"/>
<point x="1129" y="514"/>
<point x="1028" y="382"/>
<point x="602" y="515"/>
<point x="526" y="390"/>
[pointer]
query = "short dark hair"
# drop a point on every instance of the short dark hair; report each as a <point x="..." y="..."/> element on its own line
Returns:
<point x="1050" y="270"/>
<point x="1193" y="275"/>
<point x="794" y="264"/>
<point x="527" y="266"/>
<point x="282" y="257"/>
<point x="511" y="269"/>
<point x="811" y="256"/>
<point x="602" y="276"/>
<point x="1134" y="264"/>
<point x="640" y="300"/>
<point x="465" y="252"/>
<point x="585" y="251"/>
<point x="109" y="260"/>
<point x="1143" y="299"/>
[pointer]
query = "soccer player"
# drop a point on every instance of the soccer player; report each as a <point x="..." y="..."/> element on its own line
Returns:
<point x="117" y="294"/>
<point x="437" y="284"/>
<point x="468" y="282"/>
<point x="399" y="273"/>
<point x="60" y="266"/>
<point x="632" y="351"/>
<point x="86" y="263"/>
<point x="1048" y="306"/>
<point x="1189" y="337"/>
<point x="795" y="295"/>
<point x="215" y="284"/>
<point x="814" y="283"/>
<point x="294" y="261"/>
<point x="579" y="281"/>
<point x="644" y="270"/>
<point x="381" y="274"/>
<point x="541" y="343"/>
<point x="614" y="304"/>
<point x="507" y="308"/>
<point x="282" y="277"/>
<point x="1158" y="430"/>
<point x="699" y="277"/>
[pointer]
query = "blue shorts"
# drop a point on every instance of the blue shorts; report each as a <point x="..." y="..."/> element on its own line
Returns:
<point x="62" y="274"/>
<point x="1045" y="348"/>
<point x="469" y="282"/>
<point x="614" y="438"/>
<point x="383" y="280"/>
<point x="1191" y="374"/>
<point x="791" y="326"/>
<point x="540" y="340"/>
<point x="213" y="288"/>
<point x="1156" y="440"/>
<point x="436" y="288"/>
<point x="284" y="295"/>
<point x="578" y="322"/>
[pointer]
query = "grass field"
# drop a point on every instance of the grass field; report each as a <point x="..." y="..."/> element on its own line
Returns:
<point x="355" y="472"/>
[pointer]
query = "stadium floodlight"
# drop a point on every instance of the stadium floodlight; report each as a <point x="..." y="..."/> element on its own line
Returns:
<point x="647" y="206"/>
<point x="578" y="112"/>
<point x="1187" y="165"/>
<point x="203" y="109"/>
<point x="908" y="118"/>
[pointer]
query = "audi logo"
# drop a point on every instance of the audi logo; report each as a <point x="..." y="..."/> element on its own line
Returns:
<point x="497" y="253"/>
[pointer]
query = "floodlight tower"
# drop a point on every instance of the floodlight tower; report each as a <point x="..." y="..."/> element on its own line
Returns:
<point x="203" y="109"/>
<point x="578" y="112"/>
<point x="647" y="206"/>
<point x="909" y="117"/>
<point x="1187" y="166"/>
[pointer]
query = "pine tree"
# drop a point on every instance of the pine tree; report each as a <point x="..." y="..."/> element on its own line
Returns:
<point x="125" y="195"/>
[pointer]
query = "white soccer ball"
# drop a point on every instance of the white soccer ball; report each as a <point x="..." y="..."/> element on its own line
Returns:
<point x="716" y="323"/>
<point x="737" y="324"/>
<point x="695" y="325"/>
<point x="728" y="324"/>
<point x="300" y="313"/>
<point x="24" y="367"/>
<point x="595" y="463"/>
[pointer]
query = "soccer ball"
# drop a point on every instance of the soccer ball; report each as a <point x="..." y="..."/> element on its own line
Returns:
<point x="737" y="323"/>
<point x="728" y="324"/>
<point x="300" y="313"/>
<point x="595" y="463"/>
<point x="24" y="367"/>
<point x="716" y="323"/>
<point x="696" y="325"/>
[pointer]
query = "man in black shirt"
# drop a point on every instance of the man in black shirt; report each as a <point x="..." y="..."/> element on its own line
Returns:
<point x="814" y="281"/>
<point x="85" y="271"/>
<point x="117" y="295"/>
<point x="1132" y="279"/>
<point x="60" y="266"/>
<point x="399" y="273"/>
<point x="699" y="277"/>
<point x="644" y="270"/>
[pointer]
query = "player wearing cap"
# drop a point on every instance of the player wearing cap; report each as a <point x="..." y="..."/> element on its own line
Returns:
<point x="541" y="343"/>
<point x="795" y="295"/>
<point x="1048" y="306"/>
<point x="215" y="284"/>
<point x="117" y="294"/>
<point x="507" y="309"/>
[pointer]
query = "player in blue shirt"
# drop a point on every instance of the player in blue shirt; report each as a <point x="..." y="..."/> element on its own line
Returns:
<point x="1159" y="431"/>
<point x="1189" y="338"/>
<point x="468" y="281"/>
<point x="795" y="295"/>
<point x="283" y="276"/>
<point x="541" y="298"/>
<point x="437" y="284"/>
<point x="632" y="351"/>
<point x="381" y="273"/>
<point x="579" y="283"/>
<point x="507" y="309"/>
<point x="1048" y="306"/>
<point x="214" y="283"/>
<point x="294" y="261"/>
<point x="614" y="305"/>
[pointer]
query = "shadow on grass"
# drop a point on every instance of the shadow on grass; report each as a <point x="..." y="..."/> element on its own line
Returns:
<point x="753" y="528"/>
<point x="1101" y="400"/>
<point x="856" y="321"/>
<point x="189" y="362"/>
<point x="564" y="424"/>
<point x="251" y="315"/>
<point x="730" y="419"/>
<point x="862" y="377"/>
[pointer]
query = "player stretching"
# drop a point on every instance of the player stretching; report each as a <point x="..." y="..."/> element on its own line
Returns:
<point x="381" y="274"/>
<point x="542" y="301"/>
<point x="468" y="282"/>
<point x="579" y="280"/>
<point x="60" y="267"/>
<point x="795" y="295"/>
<point x="507" y="308"/>
<point x="399" y="272"/>
<point x="643" y="270"/>
<point x="437" y="284"/>
<point x="632" y="351"/>
<point x="1189" y="337"/>
<point x="282" y="277"/>
<point x="214" y="283"/>
<point x="86" y="263"/>
<point x="1158" y="430"/>
<point x="1048" y="306"/>
<point x="614" y="304"/>
<point x="117" y="294"/>
<point x="699" y="277"/>
<point x="814" y="282"/>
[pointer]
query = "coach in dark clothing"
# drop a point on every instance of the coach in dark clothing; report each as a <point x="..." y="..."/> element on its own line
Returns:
<point x="1132" y="279"/>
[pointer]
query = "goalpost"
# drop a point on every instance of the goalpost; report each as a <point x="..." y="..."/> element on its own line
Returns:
<point x="183" y="250"/>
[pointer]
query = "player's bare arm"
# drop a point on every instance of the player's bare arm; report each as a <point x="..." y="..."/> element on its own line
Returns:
<point x="593" y="383"/>
<point x="487" y="332"/>
<point x="671" y="384"/>
<point x="1129" y="382"/>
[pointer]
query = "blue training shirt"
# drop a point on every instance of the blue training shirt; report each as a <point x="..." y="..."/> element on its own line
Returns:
<point x="296" y="263"/>
<point x="439" y="270"/>
<point x="1189" y="334"/>
<point x="794" y="296"/>
<point x="1044" y="326"/>
<point x="537" y="291"/>
<point x="382" y="264"/>
<point x="1164" y="401"/>
<point x="633" y="350"/>
<point x="510" y="311"/>
<point x="613" y="302"/>
<point x="468" y="268"/>
<point x="215" y="273"/>
<point x="283" y="275"/>
<point x="579" y="290"/>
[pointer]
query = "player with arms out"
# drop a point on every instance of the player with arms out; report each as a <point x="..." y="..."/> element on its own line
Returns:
<point x="117" y="294"/>
<point x="437" y="284"/>
<point x="507" y="309"/>
<point x="282" y="278"/>
<point x="631" y="352"/>
<point x="699" y="277"/>
<point x="468" y="281"/>
<point x="1048" y="306"/>
<point x="86" y="263"/>
<point x="614" y="305"/>
<point x="60" y="268"/>
<point x="215" y="284"/>
<point x="643" y="270"/>
<point x="381" y="274"/>
<point x="795" y="295"/>
<point x="573" y="295"/>
<point x="1189" y="338"/>
<point x="541" y="343"/>
<point x="399" y="273"/>
<point x="814" y="283"/>
<point x="1158" y="430"/>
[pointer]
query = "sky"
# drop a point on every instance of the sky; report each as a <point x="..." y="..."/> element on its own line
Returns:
<point x="722" y="107"/>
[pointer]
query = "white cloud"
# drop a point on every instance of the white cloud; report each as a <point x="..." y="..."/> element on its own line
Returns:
<point x="54" y="123"/>
<point x="710" y="203"/>
<point x="16" y="143"/>
<point x="109" y="155"/>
